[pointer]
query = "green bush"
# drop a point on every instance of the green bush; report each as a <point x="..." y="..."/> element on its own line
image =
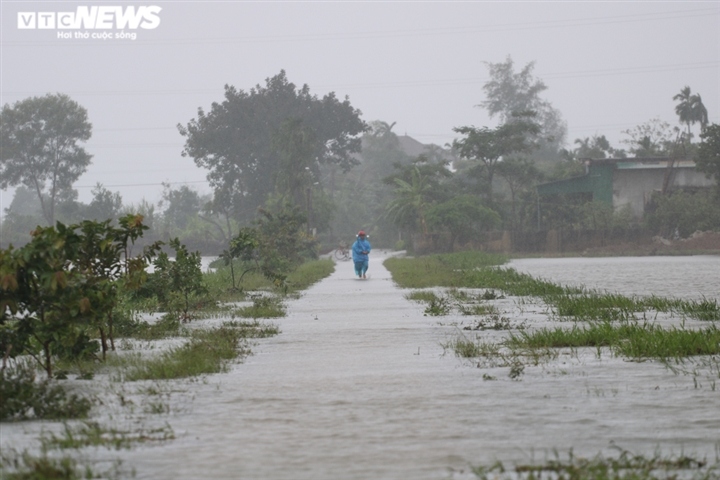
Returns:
<point x="23" y="397"/>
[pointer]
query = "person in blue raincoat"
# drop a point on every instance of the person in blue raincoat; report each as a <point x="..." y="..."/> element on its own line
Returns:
<point x="360" y="251"/>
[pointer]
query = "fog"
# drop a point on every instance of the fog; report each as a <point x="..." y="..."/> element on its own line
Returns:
<point x="608" y="68"/>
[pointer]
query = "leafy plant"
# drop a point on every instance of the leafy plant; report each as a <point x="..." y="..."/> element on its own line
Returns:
<point x="23" y="397"/>
<point x="178" y="283"/>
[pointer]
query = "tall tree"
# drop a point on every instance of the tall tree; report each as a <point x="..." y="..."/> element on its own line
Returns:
<point x="40" y="150"/>
<point x="485" y="147"/>
<point x="594" y="147"/>
<point x="237" y="140"/>
<point x="509" y="92"/>
<point x="690" y="109"/>
<point x="105" y="204"/>
<point x="654" y="138"/>
<point x="180" y="206"/>
<point x="519" y="173"/>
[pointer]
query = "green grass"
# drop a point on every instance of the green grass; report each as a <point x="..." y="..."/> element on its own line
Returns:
<point x="219" y="282"/>
<point x="444" y="270"/>
<point x="208" y="351"/>
<point x="469" y="270"/>
<point x="466" y="348"/>
<point x="608" y="307"/>
<point x="705" y="309"/>
<point x="422" y="296"/>
<point x="630" y="340"/>
<point x="262" y="307"/>
<point x="92" y="434"/>
<point x="309" y="273"/>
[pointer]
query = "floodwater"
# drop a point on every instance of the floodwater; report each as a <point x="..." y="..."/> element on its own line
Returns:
<point x="359" y="386"/>
<point x="677" y="277"/>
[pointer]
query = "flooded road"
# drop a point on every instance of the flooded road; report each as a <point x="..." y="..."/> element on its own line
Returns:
<point x="358" y="386"/>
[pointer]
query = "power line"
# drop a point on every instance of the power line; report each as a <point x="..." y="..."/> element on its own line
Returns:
<point x="454" y="30"/>
<point x="405" y="84"/>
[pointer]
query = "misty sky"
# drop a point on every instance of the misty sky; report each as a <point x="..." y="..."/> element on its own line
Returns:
<point x="609" y="66"/>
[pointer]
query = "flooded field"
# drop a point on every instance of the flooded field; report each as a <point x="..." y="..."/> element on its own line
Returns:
<point x="678" y="277"/>
<point x="359" y="386"/>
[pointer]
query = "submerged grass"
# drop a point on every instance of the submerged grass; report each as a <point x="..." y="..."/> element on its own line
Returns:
<point x="624" y="466"/>
<point x="92" y="434"/>
<point x="630" y="340"/>
<point x="208" y="351"/>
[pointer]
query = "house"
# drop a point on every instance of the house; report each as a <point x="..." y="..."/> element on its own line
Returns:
<point x="629" y="182"/>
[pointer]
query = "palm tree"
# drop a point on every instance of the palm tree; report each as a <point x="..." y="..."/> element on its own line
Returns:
<point x="690" y="109"/>
<point x="411" y="201"/>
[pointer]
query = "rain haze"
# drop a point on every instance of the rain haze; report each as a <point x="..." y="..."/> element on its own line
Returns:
<point x="608" y="66"/>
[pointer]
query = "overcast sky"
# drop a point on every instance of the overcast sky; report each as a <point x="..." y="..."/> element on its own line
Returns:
<point x="609" y="66"/>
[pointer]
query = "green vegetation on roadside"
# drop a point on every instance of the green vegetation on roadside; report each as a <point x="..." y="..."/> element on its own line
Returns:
<point x="630" y="340"/>
<point x="622" y="324"/>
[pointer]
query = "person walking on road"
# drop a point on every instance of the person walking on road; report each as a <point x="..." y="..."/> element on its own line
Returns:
<point x="360" y="251"/>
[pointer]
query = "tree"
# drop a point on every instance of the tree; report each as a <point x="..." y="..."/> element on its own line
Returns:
<point x="295" y="144"/>
<point x="690" y="109"/>
<point x="237" y="140"/>
<point x="518" y="173"/>
<point x="653" y="138"/>
<point x="178" y="282"/>
<point x="509" y="92"/>
<point x="486" y="147"/>
<point x="417" y="187"/>
<point x="463" y="217"/>
<point x="40" y="150"/>
<point x="63" y="284"/>
<point x="594" y="147"/>
<point x="180" y="206"/>
<point x="708" y="157"/>
<point x="105" y="204"/>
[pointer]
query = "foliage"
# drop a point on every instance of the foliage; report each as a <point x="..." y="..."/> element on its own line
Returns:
<point x="282" y="244"/>
<point x="708" y="157"/>
<point x="40" y="150"/>
<point x="484" y="147"/>
<point x="509" y="93"/>
<point x="682" y="214"/>
<point x="263" y="307"/>
<point x="104" y="205"/>
<point x="244" y="140"/>
<point x="179" y="283"/>
<point x="208" y="351"/>
<point x="413" y="195"/>
<point x="463" y="217"/>
<point x="62" y="287"/>
<point x="520" y="175"/>
<point x="690" y="109"/>
<point x="653" y="138"/>
<point x="45" y="302"/>
<point x="180" y="205"/>
<point x="593" y="147"/>
<point x="23" y="397"/>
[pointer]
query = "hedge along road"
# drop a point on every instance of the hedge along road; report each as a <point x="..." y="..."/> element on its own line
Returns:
<point x="358" y="386"/>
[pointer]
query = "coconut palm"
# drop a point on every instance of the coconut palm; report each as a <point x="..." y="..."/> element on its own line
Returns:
<point x="690" y="109"/>
<point x="411" y="201"/>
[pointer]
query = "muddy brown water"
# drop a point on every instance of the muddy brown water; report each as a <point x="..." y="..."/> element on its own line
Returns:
<point x="359" y="386"/>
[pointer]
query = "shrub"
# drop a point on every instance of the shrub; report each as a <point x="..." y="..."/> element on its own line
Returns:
<point x="22" y="397"/>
